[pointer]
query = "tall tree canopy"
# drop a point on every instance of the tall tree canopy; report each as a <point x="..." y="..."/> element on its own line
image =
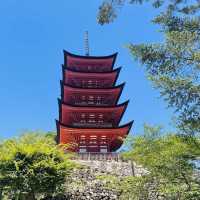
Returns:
<point x="169" y="159"/>
<point x="32" y="166"/>
<point x="173" y="65"/>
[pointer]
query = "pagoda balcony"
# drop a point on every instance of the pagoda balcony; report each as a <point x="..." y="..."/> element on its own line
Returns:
<point x="88" y="103"/>
<point x="98" y="156"/>
<point x="92" y="125"/>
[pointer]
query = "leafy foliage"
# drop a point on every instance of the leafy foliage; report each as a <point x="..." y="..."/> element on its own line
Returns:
<point x="32" y="165"/>
<point x="173" y="66"/>
<point x="174" y="69"/>
<point x="132" y="188"/>
<point x="169" y="159"/>
<point x="109" y="9"/>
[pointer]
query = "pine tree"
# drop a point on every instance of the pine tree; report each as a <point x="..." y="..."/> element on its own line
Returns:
<point x="173" y="66"/>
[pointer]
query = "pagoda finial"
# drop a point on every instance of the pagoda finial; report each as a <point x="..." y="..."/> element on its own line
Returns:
<point x="87" y="50"/>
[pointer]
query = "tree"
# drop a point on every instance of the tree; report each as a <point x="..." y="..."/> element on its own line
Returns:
<point x="109" y="9"/>
<point x="173" y="66"/>
<point x="169" y="159"/>
<point x="32" y="165"/>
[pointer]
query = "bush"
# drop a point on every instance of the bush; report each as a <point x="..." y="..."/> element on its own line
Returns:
<point x="32" y="166"/>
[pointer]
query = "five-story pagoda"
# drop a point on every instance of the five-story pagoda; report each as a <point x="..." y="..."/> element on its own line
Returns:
<point x="89" y="113"/>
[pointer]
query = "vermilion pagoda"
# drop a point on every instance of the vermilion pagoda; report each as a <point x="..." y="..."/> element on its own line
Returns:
<point x="89" y="115"/>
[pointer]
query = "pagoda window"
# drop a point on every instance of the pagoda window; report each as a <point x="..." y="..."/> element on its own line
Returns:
<point x="92" y="116"/>
<point x="103" y="149"/>
<point x="100" y="121"/>
<point x="82" y="139"/>
<point x="82" y="149"/>
<point x="100" y="116"/>
<point x="91" y="121"/>
<point x="83" y="98"/>
<point x="93" y="142"/>
<point x="90" y="99"/>
<point x="83" y="115"/>
<point x="96" y="83"/>
<point x="90" y="83"/>
<point x="83" y="83"/>
<point x="83" y="120"/>
<point x="82" y="142"/>
<point x="103" y="139"/>
<point x="93" y="139"/>
<point x="89" y="67"/>
<point x="103" y="142"/>
<point x="99" y="100"/>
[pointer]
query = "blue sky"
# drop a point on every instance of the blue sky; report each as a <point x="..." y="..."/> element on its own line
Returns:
<point x="32" y="37"/>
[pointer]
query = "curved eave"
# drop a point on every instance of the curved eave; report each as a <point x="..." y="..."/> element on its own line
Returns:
<point x="118" y="147"/>
<point x="68" y="54"/>
<point x="89" y="57"/>
<point x="128" y="125"/>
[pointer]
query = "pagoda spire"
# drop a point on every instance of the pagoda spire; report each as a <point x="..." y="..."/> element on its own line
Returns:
<point x="87" y="48"/>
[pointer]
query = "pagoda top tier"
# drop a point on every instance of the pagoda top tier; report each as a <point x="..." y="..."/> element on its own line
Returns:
<point x="89" y="63"/>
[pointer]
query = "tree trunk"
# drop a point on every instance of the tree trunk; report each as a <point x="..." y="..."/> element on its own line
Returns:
<point x="132" y="168"/>
<point x="1" y="191"/>
<point x="32" y="196"/>
<point x="187" y="182"/>
<point x="27" y="196"/>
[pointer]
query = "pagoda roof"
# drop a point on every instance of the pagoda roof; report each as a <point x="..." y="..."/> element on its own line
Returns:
<point x="87" y="63"/>
<point x="67" y="92"/>
<point x="65" y="111"/>
<point x="68" y="135"/>
<point x="70" y="74"/>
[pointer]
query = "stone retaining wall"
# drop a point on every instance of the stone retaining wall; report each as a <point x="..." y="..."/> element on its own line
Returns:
<point x="112" y="167"/>
<point x="85" y="184"/>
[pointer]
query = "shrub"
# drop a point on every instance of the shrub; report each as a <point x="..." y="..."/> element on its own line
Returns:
<point x="31" y="166"/>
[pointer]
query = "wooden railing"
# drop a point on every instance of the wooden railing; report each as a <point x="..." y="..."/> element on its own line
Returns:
<point x="98" y="156"/>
